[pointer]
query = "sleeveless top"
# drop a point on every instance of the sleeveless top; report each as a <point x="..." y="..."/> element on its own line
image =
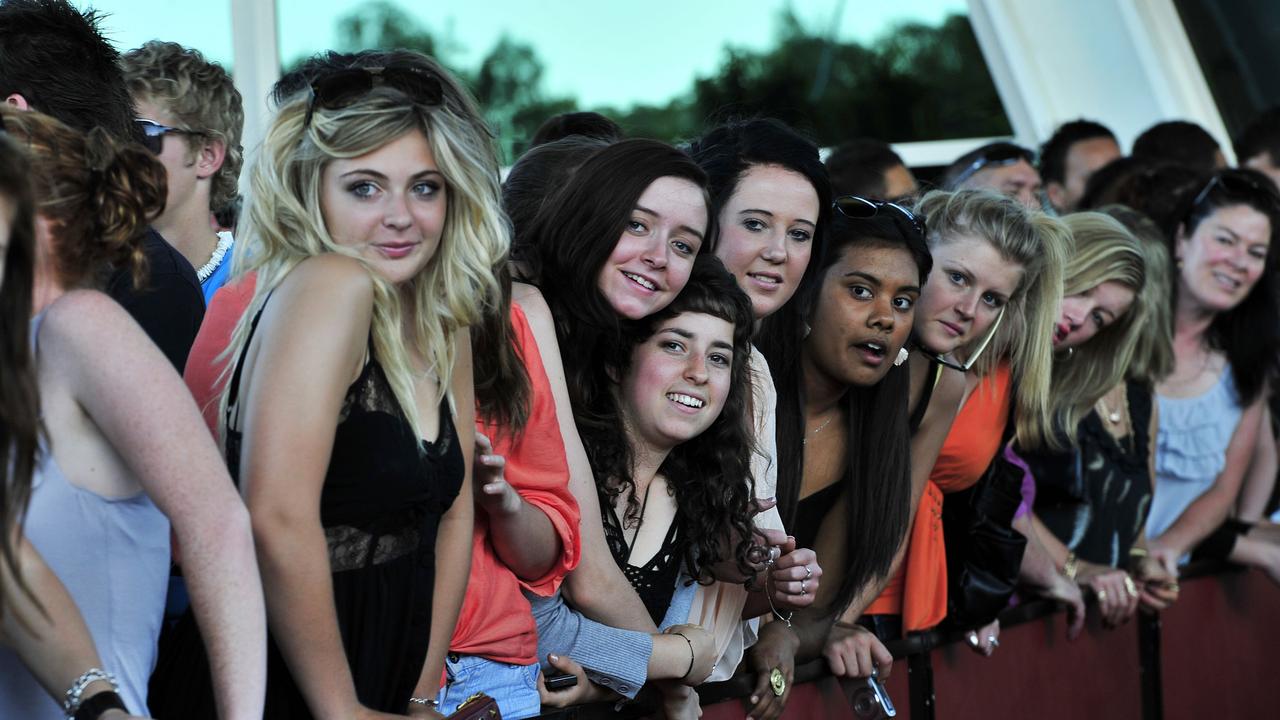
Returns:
<point x="1191" y="448"/>
<point x="1095" y="497"/>
<point x="383" y="496"/>
<point x="918" y="591"/>
<point x="655" y="581"/>
<point x="112" y="554"/>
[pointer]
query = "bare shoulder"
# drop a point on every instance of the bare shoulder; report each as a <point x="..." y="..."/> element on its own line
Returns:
<point x="330" y="279"/>
<point x="950" y="388"/>
<point x="86" y="318"/>
<point x="530" y="300"/>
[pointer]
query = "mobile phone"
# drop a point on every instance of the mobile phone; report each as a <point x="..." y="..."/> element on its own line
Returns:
<point x="560" y="682"/>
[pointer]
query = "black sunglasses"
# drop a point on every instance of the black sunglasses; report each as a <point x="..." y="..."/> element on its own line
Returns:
<point x="341" y="88"/>
<point x="1238" y="186"/>
<point x="860" y="208"/>
<point x="153" y="134"/>
<point x="999" y="156"/>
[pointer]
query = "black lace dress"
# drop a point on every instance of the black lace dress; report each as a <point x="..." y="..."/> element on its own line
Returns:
<point x="383" y="497"/>
<point x="1095" y="499"/>
<point x="655" y="581"/>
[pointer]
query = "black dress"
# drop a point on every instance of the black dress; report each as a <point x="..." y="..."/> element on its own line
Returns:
<point x="1095" y="499"/>
<point x="383" y="496"/>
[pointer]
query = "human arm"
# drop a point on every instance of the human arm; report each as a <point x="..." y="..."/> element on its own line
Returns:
<point x="1260" y="482"/>
<point x="1040" y="573"/>
<point x="144" y="411"/>
<point x="1208" y="511"/>
<point x="522" y="535"/>
<point x="453" y="539"/>
<point x="775" y="649"/>
<point x="597" y="586"/>
<point x="311" y="345"/>
<point x="45" y="628"/>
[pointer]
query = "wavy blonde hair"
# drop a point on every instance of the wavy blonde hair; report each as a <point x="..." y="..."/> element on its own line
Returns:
<point x="1152" y="358"/>
<point x="1039" y="244"/>
<point x="1105" y="251"/>
<point x="282" y="223"/>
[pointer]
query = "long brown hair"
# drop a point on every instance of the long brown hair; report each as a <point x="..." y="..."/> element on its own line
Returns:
<point x="19" y="405"/>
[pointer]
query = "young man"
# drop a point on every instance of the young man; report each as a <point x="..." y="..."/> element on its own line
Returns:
<point x="1067" y="160"/>
<point x="869" y="168"/>
<point x="53" y="59"/>
<point x="192" y="115"/>
<point x="1004" y="167"/>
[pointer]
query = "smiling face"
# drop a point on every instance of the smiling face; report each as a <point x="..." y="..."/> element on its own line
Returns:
<point x="678" y="380"/>
<point x="1085" y="314"/>
<point x="1223" y="259"/>
<point x="766" y="234"/>
<point x="964" y="294"/>
<point x="863" y="314"/>
<point x="651" y="262"/>
<point x="388" y="205"/>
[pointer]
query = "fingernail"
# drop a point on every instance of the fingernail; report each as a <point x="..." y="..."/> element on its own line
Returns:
<point x="554" y="658"/>
<point x="754" y="699"/>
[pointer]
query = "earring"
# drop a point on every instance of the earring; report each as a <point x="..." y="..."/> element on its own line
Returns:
<point x="902" y="357"/>
<point x="805" y="332"/>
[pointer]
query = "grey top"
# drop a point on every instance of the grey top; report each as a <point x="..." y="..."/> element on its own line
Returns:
<point x="113" y="556"/>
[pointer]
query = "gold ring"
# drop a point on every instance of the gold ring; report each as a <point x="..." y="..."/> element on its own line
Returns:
<point x="777" y="682"/>
<point x="1130" y="587"/>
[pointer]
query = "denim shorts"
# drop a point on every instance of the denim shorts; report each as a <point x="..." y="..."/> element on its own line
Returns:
<point x="513" y="687"/>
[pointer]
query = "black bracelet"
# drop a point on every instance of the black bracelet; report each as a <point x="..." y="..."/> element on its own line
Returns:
<point x="685" y="676"/>
<point x="93" y="708"/>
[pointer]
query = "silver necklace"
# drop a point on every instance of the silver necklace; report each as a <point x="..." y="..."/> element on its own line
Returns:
<point x="817" y="430"/>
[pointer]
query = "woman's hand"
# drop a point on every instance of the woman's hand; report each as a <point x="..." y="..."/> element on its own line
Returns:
<point x="795" y="577"/>
<point x="1116" y="592"/>
<point x="853" y="651"/>
<point x="679" y="701"/>
<point x="704" y="651"/>
<point x="775" y="650"/>
<point x="1158" y="588"/>
<point x="985" y="639"/>
<point x="1068" y="593"/>
<point x="583" y="692"/>
<point x="423" y="711"/>
<point x="493" y="492"/>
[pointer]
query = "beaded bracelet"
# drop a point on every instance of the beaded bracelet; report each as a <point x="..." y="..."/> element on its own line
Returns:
<point x="432" y="703"/>
<point x="76" y="691"/>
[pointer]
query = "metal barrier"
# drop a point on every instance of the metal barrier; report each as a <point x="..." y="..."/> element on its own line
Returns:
<point x="1209" y="656"/>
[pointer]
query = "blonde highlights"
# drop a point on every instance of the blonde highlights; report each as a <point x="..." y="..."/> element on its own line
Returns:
<point x="282" y="223"/>
<point x="1105" y="251"/>
<point x="1039" y="244"/>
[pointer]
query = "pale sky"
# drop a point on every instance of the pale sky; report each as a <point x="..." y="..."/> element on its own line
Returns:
<point x="603" y="52"/>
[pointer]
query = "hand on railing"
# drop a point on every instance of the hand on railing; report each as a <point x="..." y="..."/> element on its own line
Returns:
<point x="1158" y="588"/>
<point x="1115" y="590"/>
<point x="985" y="639"/>
<point x="853" y="651"/>
<point x="1068" y="593"/>
<point x="775" y="651"/>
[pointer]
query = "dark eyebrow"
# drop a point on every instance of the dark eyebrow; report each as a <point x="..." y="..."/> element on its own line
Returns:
<point x="690" y="336"/>
<point x="910" y="289"/>
<point x="686" y="228"/>
<point x="865" y="276"/>
<point x="722" y="344"/>
<point x="760" y="211"/>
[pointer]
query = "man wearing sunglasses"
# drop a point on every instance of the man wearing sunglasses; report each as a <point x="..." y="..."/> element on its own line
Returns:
<point x="191" y="116"/>
<point x="1004" y="167"/>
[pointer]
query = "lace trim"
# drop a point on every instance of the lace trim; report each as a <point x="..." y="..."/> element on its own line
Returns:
<point x="352" y="548"/>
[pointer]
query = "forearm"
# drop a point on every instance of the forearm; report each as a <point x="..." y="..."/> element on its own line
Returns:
<point x="298" y="587"/>
<point x="1050" y="543"/>
<point x="599" y="590"/>
<point x="1038" y="569"/>
<point x="1260" y="481"/>
<point x="525" y="541"/>
<point x="453" y="545"/>
<point x="50" y="637"/>
<point x="811" y="628"/>
<point x="226" y="596"/>
<point x="1195" y="523"/>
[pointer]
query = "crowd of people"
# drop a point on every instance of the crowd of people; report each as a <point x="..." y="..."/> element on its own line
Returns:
<point x="426" y="409"/>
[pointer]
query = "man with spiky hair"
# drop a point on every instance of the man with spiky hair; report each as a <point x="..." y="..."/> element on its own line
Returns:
<point x="54" y="59"/>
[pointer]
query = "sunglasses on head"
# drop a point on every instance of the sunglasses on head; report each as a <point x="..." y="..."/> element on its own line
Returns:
<point x="860" y="208"/>
<point x="998" y="156"/>
<point x="341" y="88"/>
<point x="977" y="353"/>
<point x="1238" y="186"/>
<point x="153" y="134"/>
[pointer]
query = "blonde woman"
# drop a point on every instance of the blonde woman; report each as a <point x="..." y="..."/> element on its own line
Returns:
<point x="1092" y="498"/>
<point x="372" y="227"/>
<point x="982" y="328"/>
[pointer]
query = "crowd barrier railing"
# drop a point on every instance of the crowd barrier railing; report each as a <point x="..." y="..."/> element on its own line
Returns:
<point x="1208" y="656"/>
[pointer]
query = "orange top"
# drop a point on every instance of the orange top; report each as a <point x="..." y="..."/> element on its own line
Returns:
<point x="203" y="373"/>
<point x="918" y="592"/>
<point x="496" y="621"/>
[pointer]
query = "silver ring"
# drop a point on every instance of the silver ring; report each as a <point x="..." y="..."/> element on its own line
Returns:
<point x="808" y="572"/>
<point x="992" y="641"/>
<point x="775" y="552"/>
<point x="803" y="591"/>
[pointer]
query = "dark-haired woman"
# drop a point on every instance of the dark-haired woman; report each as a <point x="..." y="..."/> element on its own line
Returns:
<point x="616" y="243"/>
<point x="771" y="199"/>
<point x="842" y="425"/>
<point x="127" y="454"/>
<point x="1225" y="344"/>
<point x="39" y="621"/>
